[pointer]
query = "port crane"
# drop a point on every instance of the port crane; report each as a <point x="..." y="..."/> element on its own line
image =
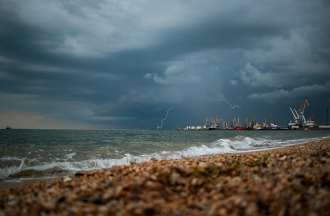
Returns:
<point x="298" y="115"/>
<point x="224" y="124"/>
<point x="299" y="118"/>
<point x="254" y="121"/>
<point x="303" y="106"/>
<point x="235" y="122"/>
<point x="264" y="125"/>
<point x="212" y="122"/>
<point x="246" y="122"/>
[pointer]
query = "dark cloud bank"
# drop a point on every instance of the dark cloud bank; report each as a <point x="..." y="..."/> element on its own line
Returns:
<point x="123" y="64"/>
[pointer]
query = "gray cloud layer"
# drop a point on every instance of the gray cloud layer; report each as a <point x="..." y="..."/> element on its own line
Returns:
<point x="123" y="64"/>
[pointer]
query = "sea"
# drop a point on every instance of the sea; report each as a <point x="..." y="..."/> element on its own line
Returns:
<point x="31" y="155"/>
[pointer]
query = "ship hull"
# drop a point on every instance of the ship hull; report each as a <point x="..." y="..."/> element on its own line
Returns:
<point x="239" y="128"/>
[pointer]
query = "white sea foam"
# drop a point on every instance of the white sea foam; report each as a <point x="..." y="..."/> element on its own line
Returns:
<point x="10" y="170"/>
<point x="8" y="158"/>
<point x="69" y="156"/>
<point x="247" y="144"/>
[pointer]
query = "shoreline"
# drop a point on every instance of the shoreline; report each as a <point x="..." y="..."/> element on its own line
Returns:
<point x="293" y="180"/>
<point x="14" y="183"/>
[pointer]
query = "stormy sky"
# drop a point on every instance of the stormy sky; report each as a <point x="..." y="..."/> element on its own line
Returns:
<point x="123" y="64"/>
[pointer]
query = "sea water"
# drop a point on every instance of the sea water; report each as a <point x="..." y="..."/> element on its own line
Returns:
<point x="42" y="154"/>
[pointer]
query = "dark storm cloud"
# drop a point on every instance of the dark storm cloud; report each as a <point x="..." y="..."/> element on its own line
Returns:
<point x="123" y="64"/>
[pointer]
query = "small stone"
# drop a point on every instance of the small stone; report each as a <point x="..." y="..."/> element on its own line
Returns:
<point x="12" y="202"/>
<point x="79" y="174"/>
<point x="108" y="184"/>
<point x="48" y="204"/>
<point x="62" y="199"/>
<point x="299" y="175"/>
<point x="282" y="158"/>
<point x="174" y="178"/>
<point x="202" y="164"/>
<point x="97" y="200"/>
<point x="67" y="179"/>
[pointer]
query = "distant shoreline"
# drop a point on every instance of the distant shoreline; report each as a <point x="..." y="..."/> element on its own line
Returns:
<point x="25" y="182"/>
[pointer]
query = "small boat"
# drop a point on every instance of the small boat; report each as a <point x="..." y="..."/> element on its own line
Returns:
<point x="274" y="126"/>
<point x="8" y="128"/>
<point x="239" y="128"/>
<point x="257" y="127"/>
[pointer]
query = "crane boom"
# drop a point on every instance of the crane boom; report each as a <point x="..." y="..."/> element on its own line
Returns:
<point x="293" y="114"/>
<point x="303" y="106"/>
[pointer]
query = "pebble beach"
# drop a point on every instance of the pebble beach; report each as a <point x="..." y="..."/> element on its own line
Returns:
<point x="291" y="180"/>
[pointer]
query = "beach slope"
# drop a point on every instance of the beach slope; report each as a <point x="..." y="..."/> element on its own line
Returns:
<point x="287" y="181"/>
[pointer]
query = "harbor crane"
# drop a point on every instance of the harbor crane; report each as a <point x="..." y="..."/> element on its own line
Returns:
<point x="303" y="106"/>
<point x="264" y="125"/>
<point x="224" y="124"/>
<point x="246" y="122"/>
<point x="233" y="122"/>
<point x="212" y="122"/>
<point x="254" y="121"/>
<point x="299" y="118"/>
<point x="298" y="115"/>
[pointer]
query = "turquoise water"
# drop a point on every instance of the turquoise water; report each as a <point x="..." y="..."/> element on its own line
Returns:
<point x="48" y="153"/>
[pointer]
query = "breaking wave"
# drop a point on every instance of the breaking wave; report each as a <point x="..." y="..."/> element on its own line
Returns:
<point x="23" y="167"/>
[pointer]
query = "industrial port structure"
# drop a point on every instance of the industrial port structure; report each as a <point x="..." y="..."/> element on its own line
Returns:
<point x="299" y="122"/>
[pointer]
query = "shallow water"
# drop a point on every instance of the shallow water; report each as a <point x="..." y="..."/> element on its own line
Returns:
<point x="41" y="154"/>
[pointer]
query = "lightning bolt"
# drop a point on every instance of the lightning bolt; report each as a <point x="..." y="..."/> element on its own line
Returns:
<point x="230" y="105"/>
<point x="161" y="126"/>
